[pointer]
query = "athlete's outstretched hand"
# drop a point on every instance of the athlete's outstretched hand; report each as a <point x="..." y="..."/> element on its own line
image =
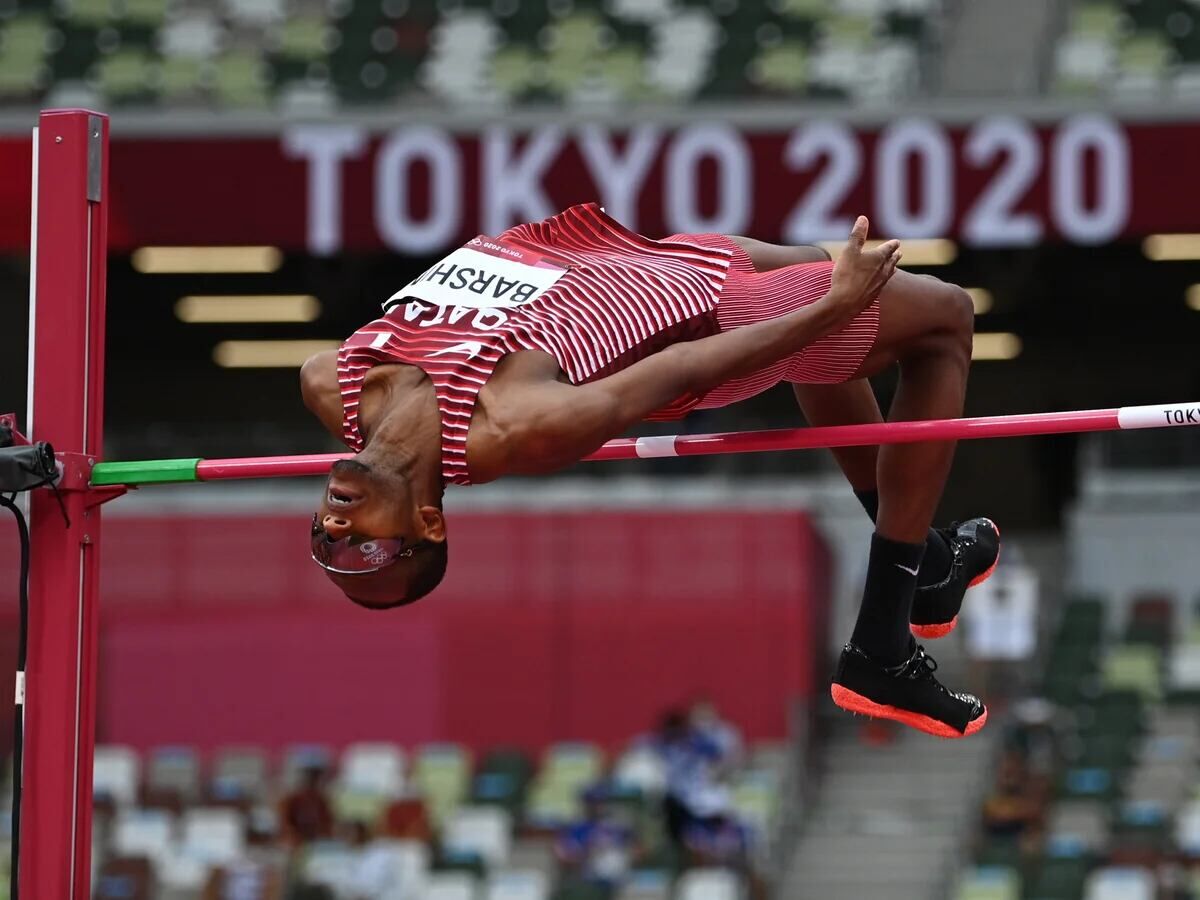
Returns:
<point x="860" y="273"/>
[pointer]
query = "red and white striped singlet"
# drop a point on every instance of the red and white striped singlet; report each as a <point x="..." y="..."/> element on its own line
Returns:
<point x="622" y="298"/>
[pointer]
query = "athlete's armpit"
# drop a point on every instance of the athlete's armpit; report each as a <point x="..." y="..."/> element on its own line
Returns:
<point x="319" y="388"/>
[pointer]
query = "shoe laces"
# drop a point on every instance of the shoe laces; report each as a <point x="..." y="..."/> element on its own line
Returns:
<point x="955" y="541"/>
<point x="918" y="666"/>
<point x="921" y="666"/>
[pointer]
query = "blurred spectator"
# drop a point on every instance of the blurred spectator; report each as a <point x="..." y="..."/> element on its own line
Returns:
<point x="1001" y="630"/>
<point x="705" y="720"/>
<point x="1035" y="735"/>
<point x="693" y="761"/>
<point x="307" y="815"/>
<point x="1012" y="809"/>
<point x="408" y="819"/>
<point x="723" y="842"/>
<point x="717" y="841"/>
<point x="600" y="849"/>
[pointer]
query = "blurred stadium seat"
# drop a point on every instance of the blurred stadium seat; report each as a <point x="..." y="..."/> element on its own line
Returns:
<point x="516" y="884"/>
<point x="116" y="774"/>
<point x="174" y="771"/>
<point x="144" y="832"/>
<point x="989" y="883"/>
<point x="247" y="55"/>
<point x="1130" y="762"/>
<point x="1128" y="49"/>
<point x="709" y="884"/>
<point x="481" y="830"/>
<point x="238" y="773"/>
<point x="213" y="836"/>
<point x="451" y="886"/>
<point x="442" y="773"/>
<point x="499" y="850"/>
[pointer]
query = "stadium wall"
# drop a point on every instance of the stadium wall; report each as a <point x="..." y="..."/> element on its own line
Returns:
<point x="551" y="625"/>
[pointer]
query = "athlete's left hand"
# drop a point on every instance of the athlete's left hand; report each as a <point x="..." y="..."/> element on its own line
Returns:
<point x="860" y="273"/>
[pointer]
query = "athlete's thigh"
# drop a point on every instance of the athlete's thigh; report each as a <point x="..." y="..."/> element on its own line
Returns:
<point x="911" y="309"/>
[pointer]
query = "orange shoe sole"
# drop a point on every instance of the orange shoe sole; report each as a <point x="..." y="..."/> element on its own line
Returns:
<point x="857" y="703"/>
<point x="931" y="632"/>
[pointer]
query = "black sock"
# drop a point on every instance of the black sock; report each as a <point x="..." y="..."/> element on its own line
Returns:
<point x="882" y="627"/>
<point x="936" y="564"/>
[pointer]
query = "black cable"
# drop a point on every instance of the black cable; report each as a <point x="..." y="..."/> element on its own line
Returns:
<point x="19" y="725"/>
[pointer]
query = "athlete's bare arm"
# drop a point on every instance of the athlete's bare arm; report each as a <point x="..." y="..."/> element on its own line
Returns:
<point x="319" y="387"/>
<point x="559" y="424"/>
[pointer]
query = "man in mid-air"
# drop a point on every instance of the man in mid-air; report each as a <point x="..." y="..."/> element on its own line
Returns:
<point x="525" y="352"/>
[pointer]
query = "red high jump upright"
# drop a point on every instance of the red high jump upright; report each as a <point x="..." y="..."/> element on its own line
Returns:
<point x="66" y="407"/>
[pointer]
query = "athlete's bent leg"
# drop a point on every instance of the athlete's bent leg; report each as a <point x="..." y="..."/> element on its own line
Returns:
<point x="848" y="403"/>
<point x="926" y="326"/>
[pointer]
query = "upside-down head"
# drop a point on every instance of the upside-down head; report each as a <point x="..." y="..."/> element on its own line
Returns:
<point x="374" y="540"/>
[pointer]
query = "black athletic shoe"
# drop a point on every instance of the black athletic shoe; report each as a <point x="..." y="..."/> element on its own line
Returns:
<point x="906" y="693"/>
<point x="975" y="550"/>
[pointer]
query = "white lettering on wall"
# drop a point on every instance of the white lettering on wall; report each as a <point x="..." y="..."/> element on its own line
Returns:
<point x="324" y="149"/>
<point x="1075" y="180"/>
<point x="1075" y="139"/>
<point x="512" y="181"/>
<point x="931" y="214"/>
<point x="993" y="220"/>
<point x="619" y="175"/>
<point x="814" y="217"/>
<point x="735" y="181"/>
<point x="394" y="218"/>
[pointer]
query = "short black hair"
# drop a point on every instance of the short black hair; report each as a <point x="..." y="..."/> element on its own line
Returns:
<point x="429" y="559"/>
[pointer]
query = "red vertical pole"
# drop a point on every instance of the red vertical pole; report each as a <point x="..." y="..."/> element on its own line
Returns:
<point x="66" y="363"/>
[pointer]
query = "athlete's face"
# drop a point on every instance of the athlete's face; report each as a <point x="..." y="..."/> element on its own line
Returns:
<point x="363" y="501"/>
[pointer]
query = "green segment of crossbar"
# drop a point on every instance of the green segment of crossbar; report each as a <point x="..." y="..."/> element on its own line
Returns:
<point x="145" y="471"/>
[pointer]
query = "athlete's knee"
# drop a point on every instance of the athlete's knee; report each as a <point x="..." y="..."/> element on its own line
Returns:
<point x="961" y="313"/>
<point x="951" y="324"/>
<point x="955" y="319"/>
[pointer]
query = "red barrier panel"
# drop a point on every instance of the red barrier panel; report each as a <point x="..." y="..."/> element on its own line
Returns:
<point x="549" y="626"/>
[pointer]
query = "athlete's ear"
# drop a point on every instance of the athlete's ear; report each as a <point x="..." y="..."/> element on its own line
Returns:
<point x="435" y="524"/>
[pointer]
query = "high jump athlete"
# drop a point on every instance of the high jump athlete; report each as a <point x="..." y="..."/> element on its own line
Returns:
<point x="525" y="352"/>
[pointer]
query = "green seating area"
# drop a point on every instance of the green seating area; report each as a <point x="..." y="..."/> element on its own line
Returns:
<point x="1130" y="50"/>
<point x="309" y="55"/>
<point x="487" y="823"/>
<point x="1117" y="807"/>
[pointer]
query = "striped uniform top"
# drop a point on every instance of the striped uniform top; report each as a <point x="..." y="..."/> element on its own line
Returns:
<point x="621" y="298"/>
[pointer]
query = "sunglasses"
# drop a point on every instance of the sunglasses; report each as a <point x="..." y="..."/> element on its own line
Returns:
<point x="346" y="557"/>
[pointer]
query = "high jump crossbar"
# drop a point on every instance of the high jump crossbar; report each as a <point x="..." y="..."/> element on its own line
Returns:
<point x="1168" y="415"/>
<point x="56" y="693"/>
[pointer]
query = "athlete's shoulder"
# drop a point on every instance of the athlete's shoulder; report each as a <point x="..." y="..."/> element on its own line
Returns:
<point x="550" y="225"/>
